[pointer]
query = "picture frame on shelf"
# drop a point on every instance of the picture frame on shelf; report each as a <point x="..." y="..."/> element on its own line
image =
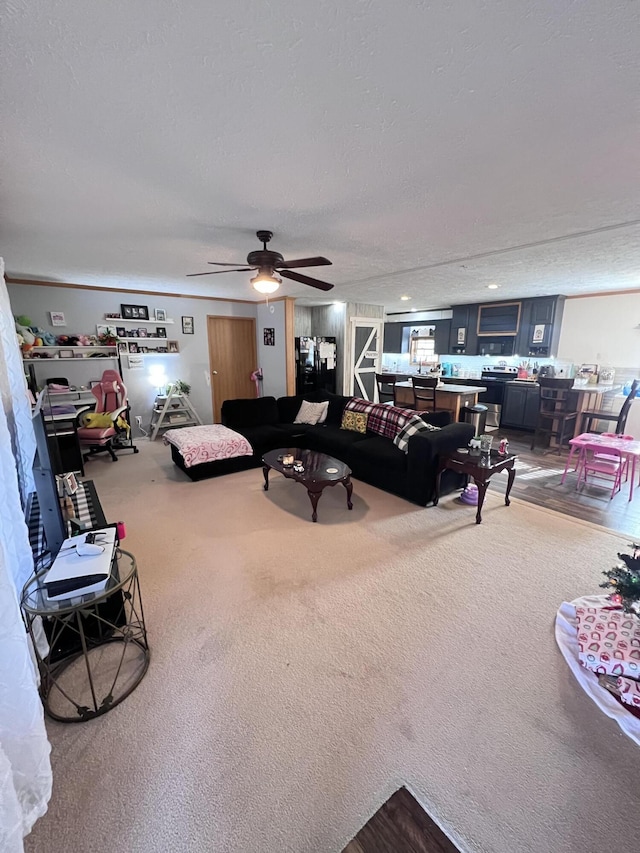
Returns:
<point x="113" y="316"/>
<point x="187" y="326"/>
<point x="160" y="315"/>
<point x="78" y="354"/>
<point x="143" y="350"/>
<point x="133" y="347"/>
<point x="142" y="333"/>
<point x="172" y="346"/>
<point x="123" y="347"/>
<point x="121" y="332"/>
<point x="133" y="333"/>
<point x="65" y="353"/>
<point x="102" y="329"/>
<point x="161" y="349"/>
<point x="161" y="332"/>
<point x="57" y="318"/>
<point x="134" y="312"/>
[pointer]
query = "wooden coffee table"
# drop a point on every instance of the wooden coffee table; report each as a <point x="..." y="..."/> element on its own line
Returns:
<point x="319" y="472"/>
<point x="481" y="468"/>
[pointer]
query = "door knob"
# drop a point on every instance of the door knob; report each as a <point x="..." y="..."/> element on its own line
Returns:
<point x="214" y="372"/>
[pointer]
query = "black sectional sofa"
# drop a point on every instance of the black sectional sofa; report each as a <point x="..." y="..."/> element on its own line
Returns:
<point x="267" y="424"/>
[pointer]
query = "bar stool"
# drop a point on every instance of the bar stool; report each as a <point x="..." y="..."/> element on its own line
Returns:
<point x="590" y="415"/>
<point x="557" y="412"/>
<point x="386" y="384"/>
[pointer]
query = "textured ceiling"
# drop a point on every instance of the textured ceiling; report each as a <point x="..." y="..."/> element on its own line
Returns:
<point x="402" y="140"/>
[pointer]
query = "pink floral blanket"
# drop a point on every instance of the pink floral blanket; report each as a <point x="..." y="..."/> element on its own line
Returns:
<point x="207" y="443"/>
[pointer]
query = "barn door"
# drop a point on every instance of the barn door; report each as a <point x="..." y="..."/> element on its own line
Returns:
<point x="366" y="356"/>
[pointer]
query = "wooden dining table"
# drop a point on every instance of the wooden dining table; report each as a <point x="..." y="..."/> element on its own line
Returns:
<point x="629" y="448"/>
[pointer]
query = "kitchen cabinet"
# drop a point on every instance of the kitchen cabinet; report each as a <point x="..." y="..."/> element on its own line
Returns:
<point x="520" y="406"/>
<point x="392" y="340"/>
<point x="540" y="332"/>
<point x="464" y="336"/>
<point x="500" y="318"/>
<point x="442" y="336"/>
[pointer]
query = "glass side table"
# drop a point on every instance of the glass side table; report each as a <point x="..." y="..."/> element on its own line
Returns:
<point x="98" y="649"/>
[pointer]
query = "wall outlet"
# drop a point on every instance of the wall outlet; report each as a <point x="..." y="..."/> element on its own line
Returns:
<point x="139" y="420"/>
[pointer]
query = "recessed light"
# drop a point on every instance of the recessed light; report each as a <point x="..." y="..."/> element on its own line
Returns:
<point x="405" y="298"/>
<point x="413" y="309"/>
<point x="493" y="286"/>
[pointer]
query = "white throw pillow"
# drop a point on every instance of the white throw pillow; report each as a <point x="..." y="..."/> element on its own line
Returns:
<point x="312" y="413"/>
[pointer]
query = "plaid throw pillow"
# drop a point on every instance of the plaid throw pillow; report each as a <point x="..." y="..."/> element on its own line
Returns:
<point x="412" y="426"/>
<point x="354" y="421"/>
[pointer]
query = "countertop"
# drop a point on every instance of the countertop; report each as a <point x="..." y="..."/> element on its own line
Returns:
<point x="588" y="389"/>
<point x="449" y="389"/>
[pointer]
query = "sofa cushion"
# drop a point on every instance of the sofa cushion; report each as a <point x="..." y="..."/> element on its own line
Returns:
<point x="354" y="421"/>
<point x="288" y="407"/>
<point x="312" y="413"/>
<point x="376" y="450"/>
<point x="252" y="412"/>
<point x="330" y="439"/>
<point x="265" y="437"/>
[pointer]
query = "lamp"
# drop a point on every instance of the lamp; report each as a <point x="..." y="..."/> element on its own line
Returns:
<point x="266" y="281"/>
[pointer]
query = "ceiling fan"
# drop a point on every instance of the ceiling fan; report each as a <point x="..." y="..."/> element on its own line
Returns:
<point x="268" y="263"/>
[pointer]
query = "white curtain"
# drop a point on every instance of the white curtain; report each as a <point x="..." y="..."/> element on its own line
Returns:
<point x="25" y="769"/>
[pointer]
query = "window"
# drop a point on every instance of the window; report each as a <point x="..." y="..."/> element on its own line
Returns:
<point x="422" y="350"/>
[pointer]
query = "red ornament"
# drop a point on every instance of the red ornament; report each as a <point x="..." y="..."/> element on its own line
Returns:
<point x="616" y="598"/>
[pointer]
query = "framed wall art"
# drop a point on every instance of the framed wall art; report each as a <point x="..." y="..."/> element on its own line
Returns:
<point x="57" y="318"/>
<point x="187" y="325"/>
<point x="134" y="312"/>
<point x="160" y="315"/>
<point x="269" y="337"/>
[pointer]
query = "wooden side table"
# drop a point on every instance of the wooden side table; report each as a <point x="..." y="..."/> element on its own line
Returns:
<point x="481" y="468"/>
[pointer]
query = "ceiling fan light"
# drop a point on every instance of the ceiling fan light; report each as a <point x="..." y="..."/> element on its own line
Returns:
<point x="266" y="283"/>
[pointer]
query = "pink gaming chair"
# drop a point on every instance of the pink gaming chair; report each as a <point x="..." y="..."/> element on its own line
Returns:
<point x="111" y="398"/>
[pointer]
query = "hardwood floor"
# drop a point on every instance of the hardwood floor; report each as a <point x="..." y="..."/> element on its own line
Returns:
<point x="538" y="475"/>
<point x="401" y="826"/>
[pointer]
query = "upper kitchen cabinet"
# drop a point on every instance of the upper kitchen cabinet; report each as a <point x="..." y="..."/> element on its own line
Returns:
<point x="442" y="336"/>
<point x="499" y="318"/>
<point x="540" y="330"/>
<point x="464" y="337"/>
<point x="392" y="342"/>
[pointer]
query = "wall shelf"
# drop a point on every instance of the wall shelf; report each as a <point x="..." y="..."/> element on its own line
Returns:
<point x="115" y="321"/>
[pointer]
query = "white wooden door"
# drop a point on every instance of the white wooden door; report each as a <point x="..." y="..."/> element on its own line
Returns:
<point x="365" y="357"/>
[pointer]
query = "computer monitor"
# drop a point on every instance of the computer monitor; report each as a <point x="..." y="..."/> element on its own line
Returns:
<point x="53" y="524"/>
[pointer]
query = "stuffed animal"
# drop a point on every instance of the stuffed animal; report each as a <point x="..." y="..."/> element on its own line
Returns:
<point x="25" y="332"/>
<point x="84" y="341"/>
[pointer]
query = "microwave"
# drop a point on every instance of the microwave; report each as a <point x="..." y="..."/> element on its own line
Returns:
<point x="496" y="346"/>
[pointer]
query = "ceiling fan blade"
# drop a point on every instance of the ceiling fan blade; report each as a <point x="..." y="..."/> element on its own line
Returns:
<point x="217" y="272"/>
<point x="305" y="262"/>
<point x="305" y="279"/>
<point x="218" y="264"/>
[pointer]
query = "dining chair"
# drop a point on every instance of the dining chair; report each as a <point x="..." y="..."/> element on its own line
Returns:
<point x="424" y="393"/>
<point x="557" y="412"/>
<point x="386" y="384"/>
<point x="602" y="466"/>
<point x="591" y="415"/>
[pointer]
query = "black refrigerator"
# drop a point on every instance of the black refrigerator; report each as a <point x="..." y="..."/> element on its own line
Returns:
<point x="315" y="365"/>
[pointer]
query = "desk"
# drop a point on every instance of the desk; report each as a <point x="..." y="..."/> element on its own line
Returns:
<point x="629" y="449"/>
<point x="449" y="398"/>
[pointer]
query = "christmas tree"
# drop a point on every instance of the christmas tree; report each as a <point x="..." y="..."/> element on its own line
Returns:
<point x="625" y="581"/>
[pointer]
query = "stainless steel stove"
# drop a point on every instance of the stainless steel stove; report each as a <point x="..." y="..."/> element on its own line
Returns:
<point x="493" y="377"/>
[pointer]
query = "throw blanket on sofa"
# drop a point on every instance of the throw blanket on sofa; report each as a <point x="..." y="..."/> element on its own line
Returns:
<point x="207" y="443"/>
<point x="391" y="421"/>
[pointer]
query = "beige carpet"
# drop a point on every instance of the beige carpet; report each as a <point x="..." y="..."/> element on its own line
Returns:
<point x="302" y="672"/>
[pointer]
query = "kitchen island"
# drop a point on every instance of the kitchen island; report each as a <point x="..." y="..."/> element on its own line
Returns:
<point x="520" y="409"/>
<point x="449" y="398"/>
